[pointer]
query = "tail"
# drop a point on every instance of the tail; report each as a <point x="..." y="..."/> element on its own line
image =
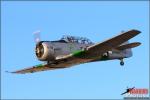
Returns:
<point x="126" y="48"/>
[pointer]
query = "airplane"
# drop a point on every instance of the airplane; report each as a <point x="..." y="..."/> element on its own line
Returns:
<point x="128" y="90"/>
<point x="70" y="50"/>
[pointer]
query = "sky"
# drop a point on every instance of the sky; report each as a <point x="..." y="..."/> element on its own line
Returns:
<point x="96" y="20"/>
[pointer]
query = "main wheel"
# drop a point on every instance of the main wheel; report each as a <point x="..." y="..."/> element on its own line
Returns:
<point x="121" y="63"/>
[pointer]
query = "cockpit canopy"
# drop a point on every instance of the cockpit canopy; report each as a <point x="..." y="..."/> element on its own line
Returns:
<point x="75" y="39"/>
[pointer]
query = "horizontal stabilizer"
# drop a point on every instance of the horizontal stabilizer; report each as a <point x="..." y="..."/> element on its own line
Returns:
<point x="128" y="46"/>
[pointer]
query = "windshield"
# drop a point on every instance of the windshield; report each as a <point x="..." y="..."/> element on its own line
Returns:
<point x="75" y="39"/>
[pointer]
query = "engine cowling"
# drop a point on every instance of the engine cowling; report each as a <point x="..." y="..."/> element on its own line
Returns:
<point x="44" y="51"/>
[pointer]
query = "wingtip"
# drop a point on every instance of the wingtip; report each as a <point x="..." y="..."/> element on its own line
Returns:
<point x="135" y="30"/>
<point x="139" y="43"/>
<point x="10" y="72"/>
<point x="135" y="44"/>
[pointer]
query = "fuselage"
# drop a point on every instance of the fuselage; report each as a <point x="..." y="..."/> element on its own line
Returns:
<point x="57" y="49"/>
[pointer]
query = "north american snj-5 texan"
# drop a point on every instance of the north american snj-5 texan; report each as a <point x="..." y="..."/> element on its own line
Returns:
<point x="70" y="50"/>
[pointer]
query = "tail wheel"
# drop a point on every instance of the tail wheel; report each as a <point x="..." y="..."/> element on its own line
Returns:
<point x="121" y="62"/>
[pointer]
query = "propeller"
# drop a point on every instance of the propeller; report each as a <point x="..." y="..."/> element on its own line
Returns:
<point x="39" y="47"/>
<point x="36" y="35"/>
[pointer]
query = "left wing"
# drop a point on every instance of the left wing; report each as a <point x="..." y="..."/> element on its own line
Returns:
<point x="36" y="68"/>
<point x="61" y="63"/>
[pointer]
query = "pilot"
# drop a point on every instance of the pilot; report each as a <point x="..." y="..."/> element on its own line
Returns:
<point x="68" y="38"/>
<point x="83" y="41"/>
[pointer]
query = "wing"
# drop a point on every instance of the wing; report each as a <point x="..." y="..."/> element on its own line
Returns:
<point x="83" y="56"/>
<point x="64" y="62"/>
<point x="36" y="68"/>
<point x="100" y="48"/>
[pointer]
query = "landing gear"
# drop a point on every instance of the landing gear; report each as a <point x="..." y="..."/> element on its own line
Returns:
<point x="121" y="62"/>
<point x="48" y="62"/>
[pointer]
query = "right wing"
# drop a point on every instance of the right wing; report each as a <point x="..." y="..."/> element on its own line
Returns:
<point x="108" y="45"/>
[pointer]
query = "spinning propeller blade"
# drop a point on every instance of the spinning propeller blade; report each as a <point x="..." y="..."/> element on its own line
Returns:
<point x="37" y="38"/>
